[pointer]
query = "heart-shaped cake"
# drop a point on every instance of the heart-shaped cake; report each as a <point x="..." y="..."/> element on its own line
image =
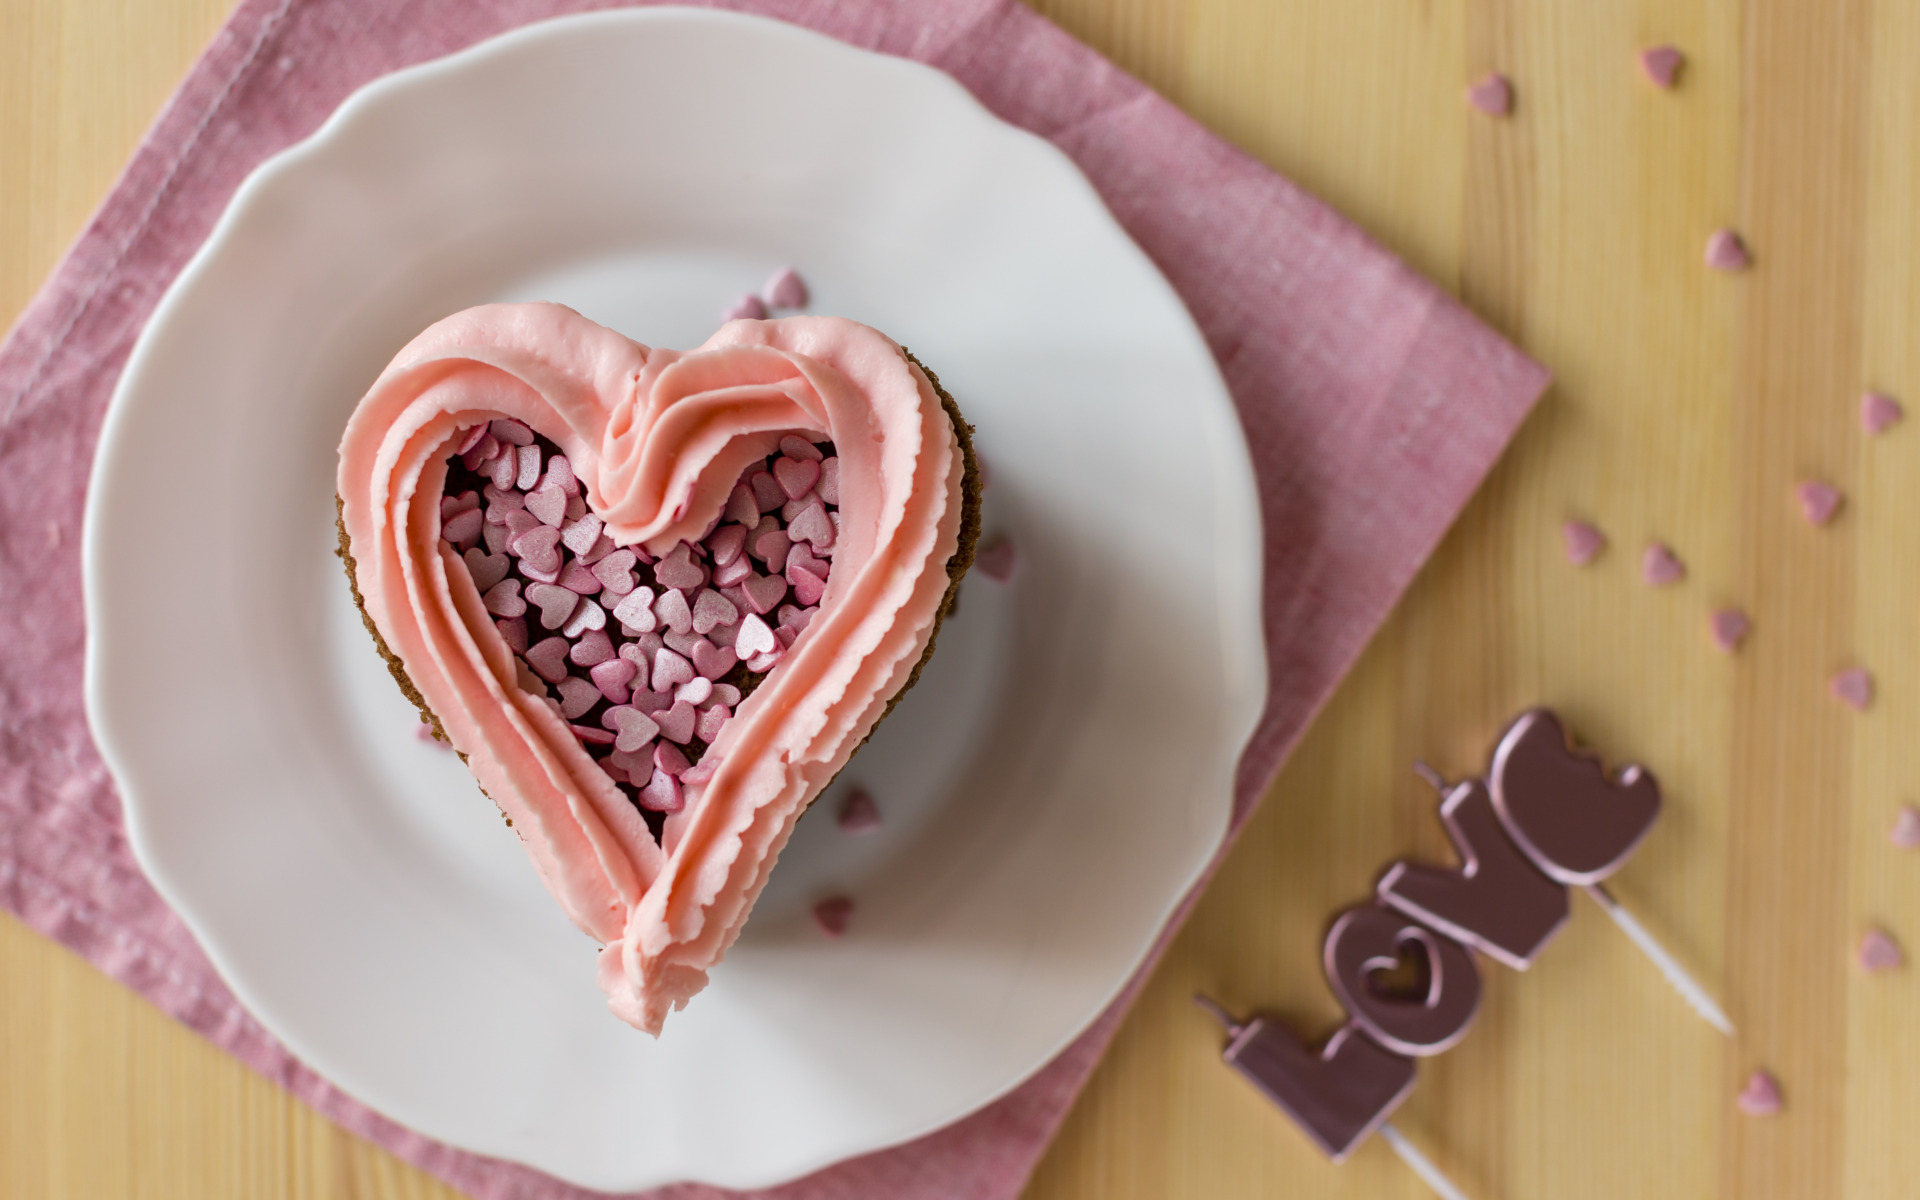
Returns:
<point x="655" y="599"/>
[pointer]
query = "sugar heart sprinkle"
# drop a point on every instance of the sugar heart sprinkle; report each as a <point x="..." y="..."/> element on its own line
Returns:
<point x="1818" y="501"/>
<point x="1729" y="627"/>
<point x="785" y="290"/>
<point x="1660" y="64"/>
<point x="639" y="655"/>
<point x="1726" y="252"/>
<point x="1760" y="1097"/>
<point x="1659" y="567"/>
<point x="858" y="813"/>
<point x="1905" y="833"/>
<point x="1852" y="687"/>
<point x="1879" y="413"/>
<point x="832" y="915"/>
<point x="1879" y="953"/>
<point x="1492" y="94"/>
<point x="1582" y="541"/>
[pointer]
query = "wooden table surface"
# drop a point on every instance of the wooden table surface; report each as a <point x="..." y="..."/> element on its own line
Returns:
<point x="1687" y="405"/>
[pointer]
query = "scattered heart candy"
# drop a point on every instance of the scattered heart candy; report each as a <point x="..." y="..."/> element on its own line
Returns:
<point x="1660" y="64"/>
<point x="548" y="659"/>
<point x="1659" y="567"/>
<point x="486" y="569"/>
<point x="555" y="602"/>
<point x="1818" y="501"/>
<point x="1726" y="252"/>
<point x="1492" y="94"/>
<point x="1853" y="686"/>
<point x="1905" y="833"/>
<point x="662" y="793"/>
<point x="1761" y="1096"/>
<point x="748" y="307"/>
<point x="785" y="290"/>
<point x="1729" y="627"/>
<point x="832" y="915"/>
<point x="1878" y="413"/>
<point x="997" y="559"/>
<point x="1583" y="542"/>
<point x="858" y="813"/>
<point x="1879" y="953"/>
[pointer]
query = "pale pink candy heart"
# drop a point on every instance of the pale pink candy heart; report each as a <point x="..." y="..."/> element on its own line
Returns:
<point x="771" y="547"/>
<point x="503" y="470"/>
<point x="579" y="536"/>
<point x="1818" y="501"/>
<point x="503" y="599"/>
<point x="702" y="771"/>
<point x="513" y="631"/>
<point x="786" y="635"/>
<point x="736" y="596"/>
<point x="742" y="508"/>
<point x="635" y="611"/>
<point x="802" y="557"/>
<point x="794" y="508"/>
<point x="694" y="691"/>
<point x="727" y="694"/>
<point x="1729" y="627"/>
<point x="767" y="661"/>
<point x="785" y="290"/>
<point x="812" y="527"/>
<point x="452" y="506"/>
<point x="578" y="579"/>
<point x="997" y="559"/>
<point x="513" y="432"/>
<point x="767" y="495"/>
<point x="577" y="695"/>
<point x="589" y="616"/>
<point x="807" y="586"/>
<point x="650" y="702"/>
<point x="549" y="504"/>
<point x="710" y="608"/>
<point x="635" y="767"/>
<point x="500" y="503"/>
<point x="1878" y="413"/>
<point x="712" y="718"/>
<point x="1853" y="687"/>
<point x="592" y="736"/>
<point x="480" y="453"/>
<point x="681" y="642"/>
<point x="1906" y="828"/>
<point x="858" y="813"/>
<point x="764" y="592"/>
<point x="576" y="508"/>
<point x="556" y="603"/>
<point x="1660" y="64"/>
<point x="1659" y="567"/>
<point x="1761" y="1096"/>
<point x="539" y="548"/>
<point x="676" y="724"/>
<point x="733" y="572"/>
<point x="670" y="758"/>
<point x="1492" y="94"/>
<point x="1726" y="252"/>
<point x="548" y="658"/>
<point x="496" y="538"/>
<point x="828" y="488"/>
<point x="615" y="571"/>
<point x="560" y="475"/>
<point x="536" y="575"/>
<point x="486" y="569"/>
<point x="632" y="728"/>
<point x="832" y="915"/>
<point x="755" y="637"/>
<point x="796" y="476"/>
<point x="615" y="679"/>
<point x="712" y="661"/>
<point x="727" y="543"/>
<point x="593" y="648"/>
<point x="472" y="438"/>
<point x="678" y="570"/>
<point x="796" y="447"/>
<point x="670" y="670"/>
<point x="672" y="610"/>
<point x="1582" y="541"/>
<point x="1879" y="953"/>
<point x="527" y="461"/>
<point x="464" y="529"/>
<point x="748" y="307"/>
<point x="642" y="648"/>
<point x="602" y="546"/>
<point x="662" y="793"/>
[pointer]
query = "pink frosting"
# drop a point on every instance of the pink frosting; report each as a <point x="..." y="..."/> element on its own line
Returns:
<point x="658" y="438"/>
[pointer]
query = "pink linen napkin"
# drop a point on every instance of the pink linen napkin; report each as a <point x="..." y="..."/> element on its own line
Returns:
<point x="1373" y="403"/>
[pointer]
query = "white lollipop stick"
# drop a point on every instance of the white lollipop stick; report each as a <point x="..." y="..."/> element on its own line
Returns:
<point x="1688" y="987"/>
<point x="1420" y="1164"/>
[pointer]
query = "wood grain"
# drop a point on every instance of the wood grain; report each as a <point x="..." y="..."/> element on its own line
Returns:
<point x="1686" y="406"/>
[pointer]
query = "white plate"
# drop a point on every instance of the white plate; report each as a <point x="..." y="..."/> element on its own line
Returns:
<point x="1051" y="788"/>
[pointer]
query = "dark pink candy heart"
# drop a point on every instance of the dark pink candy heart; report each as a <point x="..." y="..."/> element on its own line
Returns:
<point x="764" y="592"/>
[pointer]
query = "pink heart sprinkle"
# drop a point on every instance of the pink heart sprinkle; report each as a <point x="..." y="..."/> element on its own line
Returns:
<point x="765" y="662"/>
<point x="734" y="572"/>
<point x="1878" y="413"/>
<point x="1726" y="252"/>
<point x="602" y="547"/>
<point x="579" y="536"/>
<point x="520" y="522"/>
<point x="642" y="648"/>
<point x="1493" y="94"/>
<point x="472" y="438"/>
<point x="578" y="579"/>
<point x="1852" y="686"/>
<point x="748" y="307"/>
<point x="678" y="570"/>
<point x="767" y="495"/>
<point x="1582" y="541"/>
<point x="771" y="547"/>
<point x="676" y="724"/>
<point x="486" y="569"/>
<point x="742" y="508"/>
<point x="480" y="453"/>
<point x="710" y="608"/>
<point x="513" y="632"/>
<point x="755" y="637"/>
<point x="796" y="476"/>
<point x="1761" y="1096"/>
<point x="539" y="548"/>
<point x="1818" y="501"/>
<point x="712" y="719"/>
<point x="1729" y="627"/>
<point x="727" y="694"/>
<point x="549" y="504"/>
<point x="858" y="813"/>
<point x="681" y="643"/>
<point x="670" y="758"/>
<point x="726" y="544"/>
<point x="556" y="603"/>
<point x="1660" y="64"/>
<point x="832" y="915"/>
<point x="807" y="586"/>
<point x="802" y="557"/>
<point x="764" y="593"/>
<point x="812" y="527"/>
<point x="513" y="432"/>
<point x="650" y="702"/>
<point x="828" y="488"/>
<point x="1906" y="828"/>
<point x="451" y="506"/>
<point x="662" y="793"/>
<point x="527" y="460"/>
<point x="614" y="678"/>
<point x="503" y="599"/>
<point x="632" y="728"/>
<point x="548" y="658"/>
<point x="592" y="736"/>
<point x="635" y="611"/>
<point x="1659" y="567"/>
<point x="577" y="695"/>
<point x="464" y="528"/>
<point x="593" y="648"/>
<point x="560" y="475"/>
<point x="673" y="612"/>
<point x="785" y="290"/>
<point x="503" y="470"/>
<point x="694" y="691"/>
<point x="589" y="616"/>
<point x="1879" y="953"/>
<point x="670" y="670"/>
<point x="997" y="559"/>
